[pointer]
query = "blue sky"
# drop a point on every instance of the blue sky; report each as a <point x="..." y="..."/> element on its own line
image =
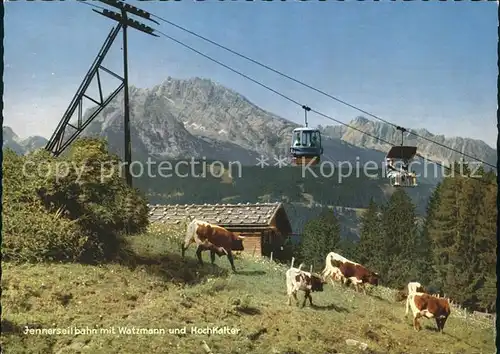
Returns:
<point x="417" y="64"/>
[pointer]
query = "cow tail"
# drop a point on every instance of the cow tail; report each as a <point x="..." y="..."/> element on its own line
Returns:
<point x="328" y="266"/>
<point x="190" y="234"/>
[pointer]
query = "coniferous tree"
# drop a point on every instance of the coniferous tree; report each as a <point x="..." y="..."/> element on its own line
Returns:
<point x="320" y="236"/>
<point x="444" y="230"/>
<point x="487" y="243"/>
<point x="462" y="231"/>
<point x="441" y="227"/>
<point x="426" y="264"/>
<point x="348" y="248"/>
<point x="400" y="240"/>
<point x="371" y="249"/>
<point x="468" y="251"/>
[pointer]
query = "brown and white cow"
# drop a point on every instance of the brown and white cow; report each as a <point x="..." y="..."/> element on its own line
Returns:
<point x="428" y="306"/>
<point x="351" y="271"/>
<point x="214" y="238"/>
<point x="297" y="279"/>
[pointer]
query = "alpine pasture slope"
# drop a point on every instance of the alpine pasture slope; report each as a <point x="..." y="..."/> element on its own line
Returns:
<point x="152" y="289"/>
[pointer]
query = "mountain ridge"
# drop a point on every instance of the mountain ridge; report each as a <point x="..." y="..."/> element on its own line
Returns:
<point x="19" y="145"/>
<point x="201" y="118"/>
<point x="388" y="132"/>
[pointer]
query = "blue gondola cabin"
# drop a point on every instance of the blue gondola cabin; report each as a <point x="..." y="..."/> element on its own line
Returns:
<point x="306" y="146"/>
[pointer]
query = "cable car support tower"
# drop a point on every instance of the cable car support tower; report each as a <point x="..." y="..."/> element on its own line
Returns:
<point x="62" y="138"/>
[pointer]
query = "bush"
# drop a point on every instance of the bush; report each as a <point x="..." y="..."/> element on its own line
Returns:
<point x="77" y="214"/>
<point x="31" y="234"/>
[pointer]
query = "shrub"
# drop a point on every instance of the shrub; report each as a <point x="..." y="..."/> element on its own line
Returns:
<point x="77" y="214"/>
<point x="32" y="234"/>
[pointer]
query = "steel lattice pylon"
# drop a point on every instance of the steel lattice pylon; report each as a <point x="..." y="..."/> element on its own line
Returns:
<point x="63" y="137"/>
<point x="57" y="143"/>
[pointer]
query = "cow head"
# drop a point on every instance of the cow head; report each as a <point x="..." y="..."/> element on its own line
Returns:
<point x="443" y="314"/>
<point x="317" y="283"/>
<point x="208" y="230"/>
<point x="373" y="279"/>
<point x="237" y="243"/>
<point x="440" y="321"/>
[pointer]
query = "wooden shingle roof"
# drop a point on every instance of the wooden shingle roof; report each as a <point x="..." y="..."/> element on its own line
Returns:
<point x="259" y="214"/>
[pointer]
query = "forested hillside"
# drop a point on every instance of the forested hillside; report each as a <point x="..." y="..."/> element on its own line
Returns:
<point x="197" y="184"/>
<point x="462" y="226"/>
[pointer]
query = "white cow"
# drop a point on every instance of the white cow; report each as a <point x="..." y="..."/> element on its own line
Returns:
<point x="297" y="279"/>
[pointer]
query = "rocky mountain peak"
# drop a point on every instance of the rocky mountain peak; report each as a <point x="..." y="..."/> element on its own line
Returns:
<point x="21" y="146"/>
<point x="198" y="117"/>
<point x="425" y="143"/>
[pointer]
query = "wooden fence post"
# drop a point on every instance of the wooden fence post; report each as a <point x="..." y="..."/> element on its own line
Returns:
<point x="271" y="256"/>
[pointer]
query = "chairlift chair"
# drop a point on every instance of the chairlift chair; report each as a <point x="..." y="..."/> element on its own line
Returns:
<point x="401" y="177"/>
<point x="305" y="147"/>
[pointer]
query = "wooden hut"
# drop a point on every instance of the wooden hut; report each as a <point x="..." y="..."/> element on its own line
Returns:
<point x="264" y="225"/>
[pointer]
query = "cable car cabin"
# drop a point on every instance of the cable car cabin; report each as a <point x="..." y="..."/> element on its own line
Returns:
<point x="401" y="176"/>
<point x="306" y="146"/>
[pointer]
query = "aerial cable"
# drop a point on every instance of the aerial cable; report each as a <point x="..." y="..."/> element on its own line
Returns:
<point x="301" y="83"/>
<point x="292" y="100"/>
<point x="316" y="89"/>
<point x="84" y="2"/>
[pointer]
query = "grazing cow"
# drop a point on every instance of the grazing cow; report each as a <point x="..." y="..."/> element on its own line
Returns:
<point x="214" y="238"/>
<point x="428" y="306"/>
<point x="297" y="279"/>
<point x="351" y="271"/>
<point x="330" y="270"/>
<point x="415" y="287"/>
